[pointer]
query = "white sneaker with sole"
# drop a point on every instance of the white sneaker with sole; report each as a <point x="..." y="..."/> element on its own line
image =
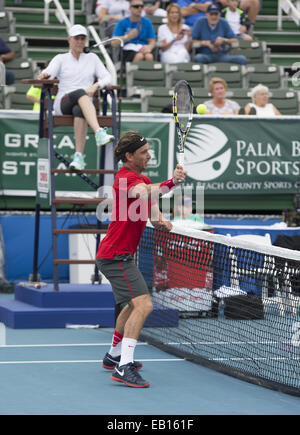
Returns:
<point x="102" y="138"/>
<point x="77" y="163"/>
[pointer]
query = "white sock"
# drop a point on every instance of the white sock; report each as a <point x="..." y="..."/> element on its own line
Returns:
<point x="128" y="346"/>
<point x="116" y="350"/>
<point x="77" y="153"/>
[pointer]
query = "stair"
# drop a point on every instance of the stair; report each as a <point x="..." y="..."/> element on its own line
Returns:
<point x="44" y="40"/>
<point x="284" y="44"/>
<point x="80" y="304"/>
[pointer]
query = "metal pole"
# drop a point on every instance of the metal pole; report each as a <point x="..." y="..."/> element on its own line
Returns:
<point x="52" y="191"/>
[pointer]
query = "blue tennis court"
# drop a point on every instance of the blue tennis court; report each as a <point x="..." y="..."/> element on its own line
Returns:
<point x="58" y="371"/>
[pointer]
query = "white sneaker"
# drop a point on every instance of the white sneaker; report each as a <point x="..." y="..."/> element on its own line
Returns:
<point x="102" y="138"/>
<point x="77" y="163"/>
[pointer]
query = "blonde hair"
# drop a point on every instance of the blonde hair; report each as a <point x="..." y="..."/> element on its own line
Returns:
<point x="256" y="89"/>
<point x="215" y="80"/>
<point x="175" y="6"/>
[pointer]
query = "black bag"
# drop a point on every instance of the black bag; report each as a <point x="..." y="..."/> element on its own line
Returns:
<point x="245" y="307"/>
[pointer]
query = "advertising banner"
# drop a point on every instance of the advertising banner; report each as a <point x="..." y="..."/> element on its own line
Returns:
<point x="234" y="155"/>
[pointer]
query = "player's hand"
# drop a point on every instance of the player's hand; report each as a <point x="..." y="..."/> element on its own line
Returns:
<point x="179" y="174"/>
<point x="163" y="225"/>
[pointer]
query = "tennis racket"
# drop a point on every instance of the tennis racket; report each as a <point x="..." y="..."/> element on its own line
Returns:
<point x="183" y="107"/>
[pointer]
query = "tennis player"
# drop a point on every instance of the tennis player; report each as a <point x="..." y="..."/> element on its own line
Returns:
<point x="133" y="204"/>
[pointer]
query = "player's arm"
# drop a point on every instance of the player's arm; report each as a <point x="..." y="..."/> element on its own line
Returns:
<point x="157" y="219"/>
<point x="152" y="191"/>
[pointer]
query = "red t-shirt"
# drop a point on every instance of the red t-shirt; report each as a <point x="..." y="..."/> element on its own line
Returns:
<point x="129" y="217"/>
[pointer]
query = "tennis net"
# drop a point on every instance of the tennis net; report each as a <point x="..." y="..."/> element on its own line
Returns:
<point x="237" y="303"/>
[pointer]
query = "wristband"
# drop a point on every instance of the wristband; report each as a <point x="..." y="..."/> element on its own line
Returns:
<point x="167" y="185"/>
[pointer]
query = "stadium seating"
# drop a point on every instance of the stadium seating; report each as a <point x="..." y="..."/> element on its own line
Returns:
<point x="201" y="95"/>
<point x="156" y="99"/>
<point x="233" y="74"/>
<point x="6" y="93"/>
<point x="286" y="101"/>
<point x="272" y="76"/>
<point x="157" y="21"/>
<point x="255" y="51"/>
<point x="17" y="43"/>
<point x="144" y="74"/>
<point x="258" y="70"/>
<point x="194" y="73"/>
<point x="18" y="99"/>
<point x="241" y="96"/>
<point x="22" y="68"/>
<point x="7" y="23"/>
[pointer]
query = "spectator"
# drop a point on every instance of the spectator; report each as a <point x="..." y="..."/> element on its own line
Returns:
<point x="260" y="103"/>
<point x="214" y="33"/>
<point x="98" y="6"/>
<point x="34" y="94"/>
<point x="237" y="19"/>
<point x="174" y="37"/>
<point x="193" y="9"/>
<point x="155" y="10"/>
<point x="76" y="72"/>
<point x="7" y="54"/>
<point x="137" y="34"/>
<point x="251" y="7"/>
<point x="219" y="104"/>
<point x="112" y="12"/>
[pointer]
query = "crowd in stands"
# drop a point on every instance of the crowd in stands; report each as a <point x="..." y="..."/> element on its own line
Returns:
<point x="212" y="25"/>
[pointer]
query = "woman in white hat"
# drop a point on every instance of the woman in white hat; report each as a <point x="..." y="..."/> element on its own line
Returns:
<point x="76" y="72"/>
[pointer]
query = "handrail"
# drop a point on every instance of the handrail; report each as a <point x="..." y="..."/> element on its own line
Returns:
<point x="60" y="13"/>
<point x="292" y="9"/>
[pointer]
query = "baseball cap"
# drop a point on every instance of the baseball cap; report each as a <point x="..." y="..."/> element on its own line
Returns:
<point x="213" y="9"/>
<point x="77" y="29"/>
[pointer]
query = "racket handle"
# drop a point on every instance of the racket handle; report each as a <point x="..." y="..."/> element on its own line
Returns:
<point x="181" y="158"/>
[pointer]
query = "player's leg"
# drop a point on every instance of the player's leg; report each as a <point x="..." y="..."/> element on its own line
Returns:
<point x="80" y="132"/>
<point x="88" y="110"/>
<point x="113" y="356"/>
<point x="128" y="286"/>
<point x="126" y="371"/>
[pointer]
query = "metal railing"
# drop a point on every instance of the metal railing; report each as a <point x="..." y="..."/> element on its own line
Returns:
<point x="290" y="8"/>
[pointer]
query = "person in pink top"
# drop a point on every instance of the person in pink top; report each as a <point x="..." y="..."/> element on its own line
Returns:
<point x="134" y="202"/>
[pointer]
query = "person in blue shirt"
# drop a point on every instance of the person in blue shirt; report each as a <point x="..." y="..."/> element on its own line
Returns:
<point x="137" y="33"/>
<point x="193" y="9"/>
<point x="215" y="35"/>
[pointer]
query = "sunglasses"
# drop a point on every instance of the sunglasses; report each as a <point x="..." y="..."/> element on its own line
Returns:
<point x="137" y="6"/>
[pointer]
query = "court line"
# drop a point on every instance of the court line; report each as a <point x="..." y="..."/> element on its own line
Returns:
<point x="185" y="343"/>
<point x="62" y="345"/>
<point x="87" y="361"/>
